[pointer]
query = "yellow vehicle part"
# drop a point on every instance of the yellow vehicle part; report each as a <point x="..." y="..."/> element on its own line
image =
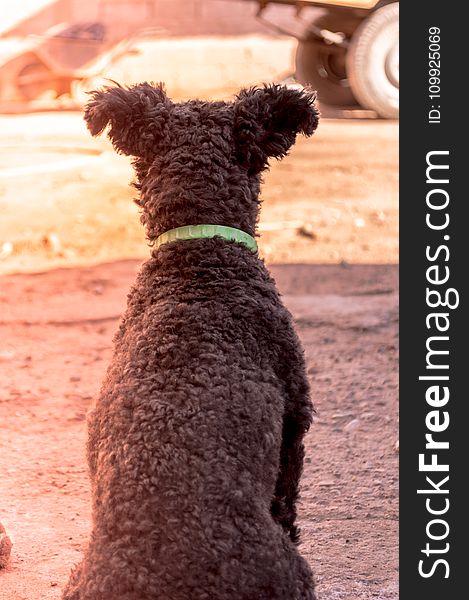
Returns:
<point x="366" y="4"/>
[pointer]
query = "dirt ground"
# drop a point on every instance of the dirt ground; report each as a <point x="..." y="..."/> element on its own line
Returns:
<point x="70" y="245"/>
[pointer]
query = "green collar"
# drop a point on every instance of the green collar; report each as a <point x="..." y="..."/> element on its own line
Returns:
<point x="195" y="232"/>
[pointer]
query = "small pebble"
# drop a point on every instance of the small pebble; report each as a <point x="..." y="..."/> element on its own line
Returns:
<point x="6" y="249"/>
<point x="5" y="547"/>
<point x="359" y="222"/>
<point x="307" y="231"/>
<point x="52" y="241"/>
<point x="352" y="426"/>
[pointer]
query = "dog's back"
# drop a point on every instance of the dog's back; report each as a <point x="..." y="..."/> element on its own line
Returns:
<point x="189" y="457"/>
<point x="195" y="443"/>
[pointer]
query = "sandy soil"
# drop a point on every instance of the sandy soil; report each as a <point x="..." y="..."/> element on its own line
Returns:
<point x="65" y="198"/>
<point x="70" y="245"/>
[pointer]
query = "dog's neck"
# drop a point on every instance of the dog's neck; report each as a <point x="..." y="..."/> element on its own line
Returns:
<point x="204" y="257"/>
<point x="171" y="202"/>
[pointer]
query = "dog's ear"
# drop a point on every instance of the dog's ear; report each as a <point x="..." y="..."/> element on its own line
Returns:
<point x="137" y="116"/>
<point x="267" y="121"/>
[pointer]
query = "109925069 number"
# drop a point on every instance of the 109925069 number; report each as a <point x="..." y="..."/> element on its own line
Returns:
<point x="434" y="56"/>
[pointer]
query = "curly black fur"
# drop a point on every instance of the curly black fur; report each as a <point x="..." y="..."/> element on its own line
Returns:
<point x="195" y="444"/>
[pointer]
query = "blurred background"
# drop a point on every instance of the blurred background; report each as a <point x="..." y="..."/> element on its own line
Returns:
<point x="53" y="51"/>
<point x="71" y="243"/>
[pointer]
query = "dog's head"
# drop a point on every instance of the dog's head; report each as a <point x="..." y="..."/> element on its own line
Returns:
<point x="200" y="162"/>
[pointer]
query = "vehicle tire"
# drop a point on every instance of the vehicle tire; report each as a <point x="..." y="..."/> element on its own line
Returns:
<point x="373" y="62"/>
<point x="323" y="66"/>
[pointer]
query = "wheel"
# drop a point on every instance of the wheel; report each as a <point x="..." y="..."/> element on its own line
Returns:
<point x="323" y="65"/>
<point x="373" y="62"/>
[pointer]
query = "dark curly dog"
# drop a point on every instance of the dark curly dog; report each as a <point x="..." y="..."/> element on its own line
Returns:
<point x="195" y="444"/>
